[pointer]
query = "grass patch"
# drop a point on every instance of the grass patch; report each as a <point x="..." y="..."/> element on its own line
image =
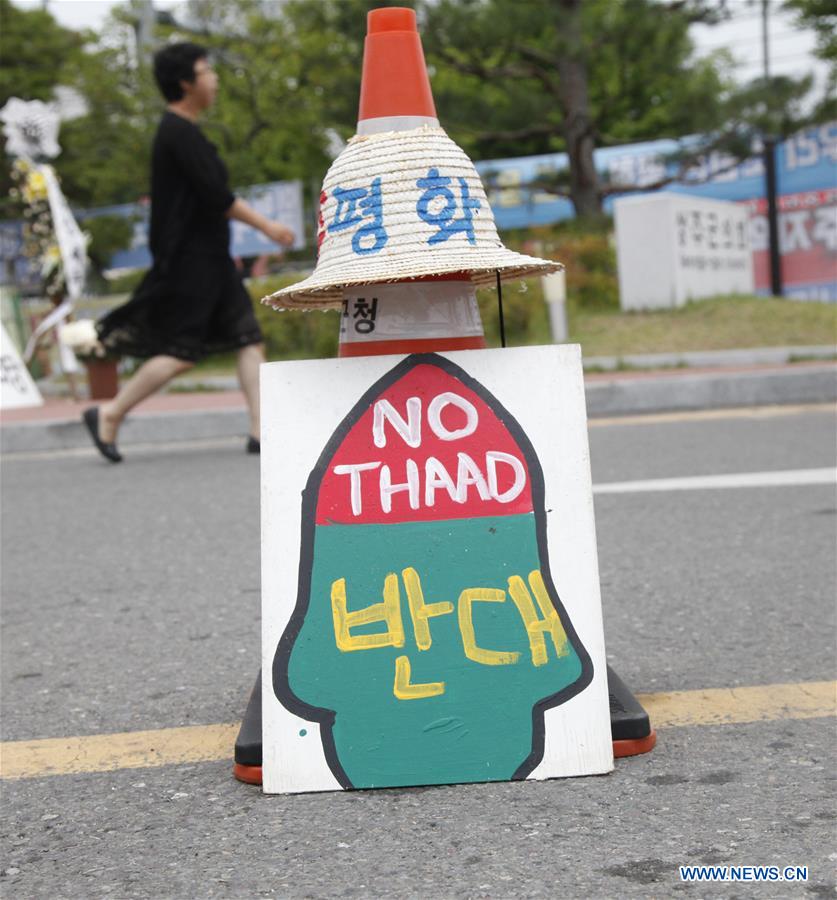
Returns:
<point x="721" y="323"/>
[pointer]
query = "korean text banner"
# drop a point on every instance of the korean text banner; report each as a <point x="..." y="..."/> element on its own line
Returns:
<point x="807" y="186"/>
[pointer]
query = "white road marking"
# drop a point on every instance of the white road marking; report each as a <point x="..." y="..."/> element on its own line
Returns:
<point x="783" y="478"/>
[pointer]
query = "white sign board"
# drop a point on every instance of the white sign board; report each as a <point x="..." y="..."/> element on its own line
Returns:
<point x="430" y="595"/>
<point x="17" y="388"/>
<point x="672" y="248"/>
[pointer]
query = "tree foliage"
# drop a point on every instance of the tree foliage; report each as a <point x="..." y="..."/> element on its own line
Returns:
<point x="268" y="119"/>
<point x="35" y="49"/>
<point x="106" y="153"/>
<point x="498" y="63"/>
<point x="510" y="78"/>
<point x="821" y="17"/>
<point x="521" y="76"/>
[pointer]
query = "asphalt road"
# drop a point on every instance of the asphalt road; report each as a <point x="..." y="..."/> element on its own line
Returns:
<point x="130" y="600"/>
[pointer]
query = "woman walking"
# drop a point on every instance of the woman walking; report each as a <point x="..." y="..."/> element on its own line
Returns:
<point x="192" y="302"/>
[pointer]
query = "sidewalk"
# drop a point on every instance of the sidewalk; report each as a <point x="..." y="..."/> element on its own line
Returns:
<point x="177" y="416"/>
<point x="193" y="415"/>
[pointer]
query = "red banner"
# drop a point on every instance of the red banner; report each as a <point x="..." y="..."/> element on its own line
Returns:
<point x="807" y="240"/>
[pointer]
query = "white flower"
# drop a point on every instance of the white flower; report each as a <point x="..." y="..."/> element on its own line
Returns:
<point x="81" y="338"/>
<point x="31" y="128"/>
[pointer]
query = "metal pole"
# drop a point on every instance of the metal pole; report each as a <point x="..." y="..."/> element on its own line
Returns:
<point x="769" y="142"/>
<point x="144" y="31"/>
<point x="500" y="307"/>
<point x="765" y="40"/>
<point x="772" y="216"/>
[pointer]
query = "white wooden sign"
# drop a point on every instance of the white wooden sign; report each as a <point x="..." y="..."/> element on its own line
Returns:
<point x="17" y="388"/>
<point x="672" y="248"/>
<point x="431" y="608"/>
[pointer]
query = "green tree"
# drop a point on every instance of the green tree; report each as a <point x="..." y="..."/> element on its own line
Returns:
<point x="108" y="235"/>
<point x="268" y="121"/>
<point x="106" y="152"/>
<point x="821" y="17"/>
<point x="516" y="77"/>
<point x="330" y="35"/>
<point x="281" y="74"/>
<point x="34" y="49"/>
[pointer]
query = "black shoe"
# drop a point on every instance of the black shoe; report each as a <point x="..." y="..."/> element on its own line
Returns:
<point x="254" y="445"/>
<point x="90" y="417"/>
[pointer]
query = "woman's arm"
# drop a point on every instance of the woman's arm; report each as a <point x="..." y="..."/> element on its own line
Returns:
<point x="243" y="212"/>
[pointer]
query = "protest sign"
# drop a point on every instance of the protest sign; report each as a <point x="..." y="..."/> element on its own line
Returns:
<point x="431" y="609"/>
<point x="17" y="389"/>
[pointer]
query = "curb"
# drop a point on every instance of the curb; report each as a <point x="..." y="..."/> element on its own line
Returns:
<point x="607" y="395"/>
<point x="149" y="428"/>
<point x="705" y="359"/>
<point x="686" y="392"/>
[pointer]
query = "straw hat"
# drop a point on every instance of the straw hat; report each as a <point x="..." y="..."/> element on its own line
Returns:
<point x="402" y="201"/>
<point x="402" y="205"/>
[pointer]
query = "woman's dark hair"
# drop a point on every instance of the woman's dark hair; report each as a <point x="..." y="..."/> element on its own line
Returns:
<point x="176" y="63"/>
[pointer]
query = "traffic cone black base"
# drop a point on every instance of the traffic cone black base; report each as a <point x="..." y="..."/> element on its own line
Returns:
<point x="630" y="729"/>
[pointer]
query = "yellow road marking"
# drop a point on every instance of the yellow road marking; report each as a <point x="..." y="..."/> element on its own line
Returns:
<point x="731" y="706"/>
<point x="745" y="412"/>
<point x="213" y="743"/>
<point x="108" y="752"/>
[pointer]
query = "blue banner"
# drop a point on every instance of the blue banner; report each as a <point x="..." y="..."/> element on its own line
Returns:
<point x="806" y="162"/>
<point x="806" y="180"/>
<point x="280" y="201"/>
<point x="15" y="267"/>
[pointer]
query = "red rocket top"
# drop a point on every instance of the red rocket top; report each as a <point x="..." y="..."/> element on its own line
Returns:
<point x="427" y="448"/>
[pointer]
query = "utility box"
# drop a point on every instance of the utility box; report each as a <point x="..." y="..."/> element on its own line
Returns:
<point x="672" y="248"/>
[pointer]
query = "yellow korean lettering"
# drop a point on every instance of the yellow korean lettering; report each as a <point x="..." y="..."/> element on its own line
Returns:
<point x="466" y="625"/>
<point x="388" y="612"/>
<point x="536" y="627"/>
<point x="406" y="691"/>
<point x="420" y="611"/>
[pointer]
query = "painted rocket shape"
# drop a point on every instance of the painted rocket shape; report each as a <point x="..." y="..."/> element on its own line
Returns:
<point x="428" y="638"/>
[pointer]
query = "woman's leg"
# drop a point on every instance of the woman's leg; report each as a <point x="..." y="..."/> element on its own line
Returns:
<point x="248" y="362"/>
<point x="150" y="377"/>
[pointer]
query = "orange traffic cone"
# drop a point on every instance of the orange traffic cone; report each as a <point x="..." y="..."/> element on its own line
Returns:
<point x="395" y="91"/>
<point x="416" y="315"/>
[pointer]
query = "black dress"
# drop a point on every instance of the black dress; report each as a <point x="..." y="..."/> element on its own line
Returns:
<point x="192" y="301"/>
